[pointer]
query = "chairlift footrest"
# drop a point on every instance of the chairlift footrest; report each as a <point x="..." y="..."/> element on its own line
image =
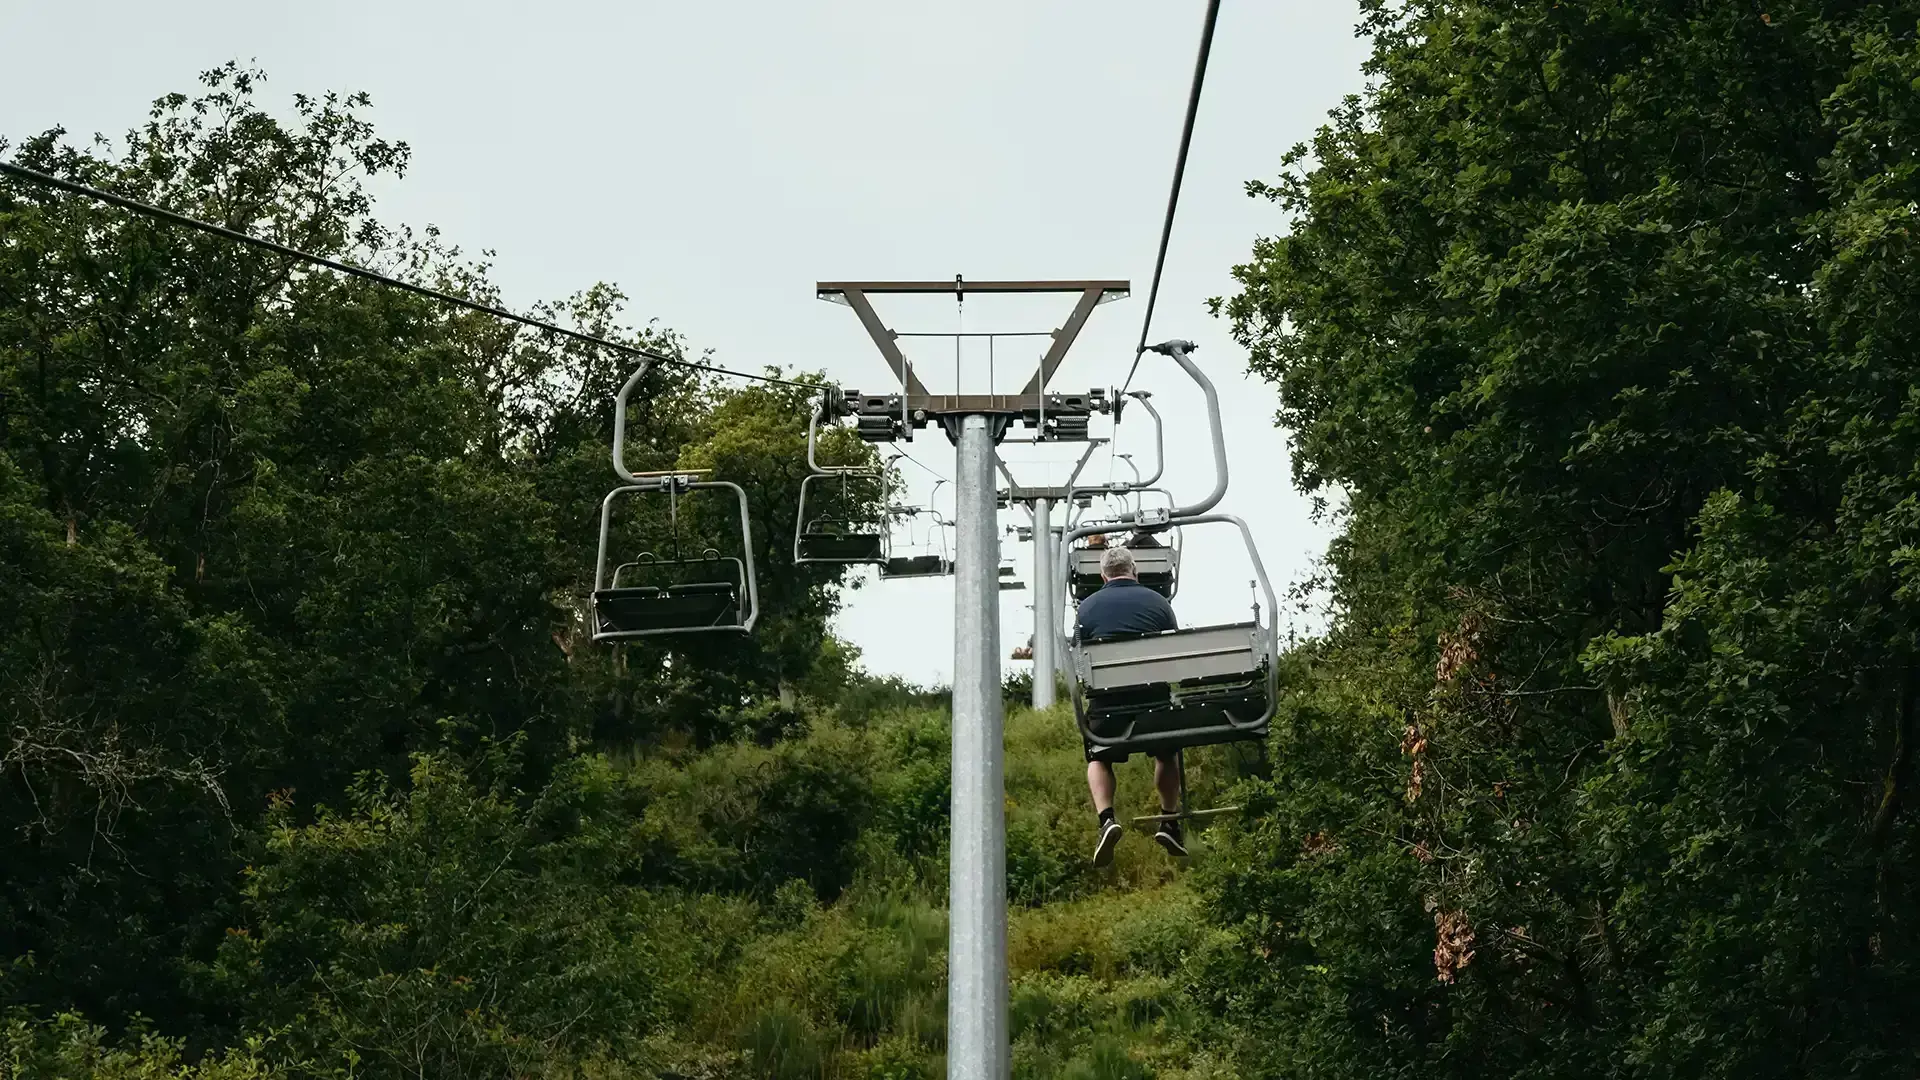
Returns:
<point x="1186" y="815"/>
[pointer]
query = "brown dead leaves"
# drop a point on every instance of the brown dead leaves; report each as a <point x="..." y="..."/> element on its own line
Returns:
<point x="1453" y="944"/>
<point x="1414" y="744"/>
<point x="1460" y="647"/>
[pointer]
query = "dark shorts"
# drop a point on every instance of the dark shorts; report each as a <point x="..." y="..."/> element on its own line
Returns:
<point x="1113" y="755"/>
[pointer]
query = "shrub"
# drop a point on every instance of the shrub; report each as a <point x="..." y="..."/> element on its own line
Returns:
<point x="747" y="819"/>
<point x="1043" y="864"/>
<point x="781" y="1045"/>
<point x="916" y="792"/>
<point x="68" y="1048"/>
<point x="447" y="930"/>
<point x="1106" y="1059"/>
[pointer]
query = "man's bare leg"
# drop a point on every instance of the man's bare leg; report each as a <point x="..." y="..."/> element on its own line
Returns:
<point x="1100" y="785"/>
<point x="1166" y="777"/>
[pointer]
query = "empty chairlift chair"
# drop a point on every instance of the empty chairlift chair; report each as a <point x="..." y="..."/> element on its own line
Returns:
<point x="1009" y="583"/>
<point x="707" y="592"/>
<point x="712" y="603"/>
<point x="828" y="527"/>
<point x="916" y="566"/>
<point x="935" y="561"/>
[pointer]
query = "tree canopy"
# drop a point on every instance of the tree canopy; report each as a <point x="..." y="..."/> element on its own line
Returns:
<point x="268" y="530"/>
<point x="1598" y="319"/>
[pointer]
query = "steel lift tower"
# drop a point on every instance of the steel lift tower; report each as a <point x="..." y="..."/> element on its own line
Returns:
<point x="977" y="1047"/>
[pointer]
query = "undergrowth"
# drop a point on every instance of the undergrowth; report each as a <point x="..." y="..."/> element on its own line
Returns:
<point x="838" y="970"/>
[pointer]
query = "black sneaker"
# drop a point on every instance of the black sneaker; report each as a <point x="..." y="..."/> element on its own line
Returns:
<point x="1109" y="839"/>
<point x="1169" y="837"/>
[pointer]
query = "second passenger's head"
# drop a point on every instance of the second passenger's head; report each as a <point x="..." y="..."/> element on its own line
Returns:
<point x="1117" y="563"/>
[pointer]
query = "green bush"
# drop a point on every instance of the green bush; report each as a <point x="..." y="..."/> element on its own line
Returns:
<point x="67" y="1047"/>
<point x="890" y="977"/>
<point x="1158" y="932"/>
<point x="901" y="1059"/>
<point x="1106" y="1059"/>
<point x="1043" y="864"/>
<point x="747" y="819"/>
<point x="781" y="1044"/>
<point x="449" y="930"/>
<point x="915" y="794"/>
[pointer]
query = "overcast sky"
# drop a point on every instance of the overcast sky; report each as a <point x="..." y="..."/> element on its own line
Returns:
<point x="715" y="159"/>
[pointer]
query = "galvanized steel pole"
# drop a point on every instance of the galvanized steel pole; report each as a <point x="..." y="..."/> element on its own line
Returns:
<point x="977" y="882"/>
<point x="1046" y="608"/>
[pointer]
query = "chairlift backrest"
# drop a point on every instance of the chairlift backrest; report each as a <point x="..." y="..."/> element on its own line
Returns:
<point x="1158" y="568"/>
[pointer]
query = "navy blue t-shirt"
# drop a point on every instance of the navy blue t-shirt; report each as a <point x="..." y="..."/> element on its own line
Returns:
<point x="1124" y="606"/>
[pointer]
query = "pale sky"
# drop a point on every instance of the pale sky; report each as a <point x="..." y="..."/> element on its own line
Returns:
<point x="716" y="159"/>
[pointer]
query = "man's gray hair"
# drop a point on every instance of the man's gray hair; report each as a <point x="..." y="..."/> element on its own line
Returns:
<point x="1117" y="563"/>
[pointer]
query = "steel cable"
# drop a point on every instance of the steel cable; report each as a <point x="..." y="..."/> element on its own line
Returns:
<point x="1179" y="171"/>
<point x="174" y="218"/>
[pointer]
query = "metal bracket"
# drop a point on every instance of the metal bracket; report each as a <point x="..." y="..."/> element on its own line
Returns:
<point x="1013" y="492"/>
<point x="1053" y="416"/>
<point x="1094" y="295"/>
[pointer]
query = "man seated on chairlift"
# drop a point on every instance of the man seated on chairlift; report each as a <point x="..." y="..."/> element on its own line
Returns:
<point x="1124" y="606"/>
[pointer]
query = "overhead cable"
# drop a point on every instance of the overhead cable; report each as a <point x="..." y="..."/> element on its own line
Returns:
<point x="171" y="217"/>
<point x="916" y="461"/>
<point x="1179" y="171"/>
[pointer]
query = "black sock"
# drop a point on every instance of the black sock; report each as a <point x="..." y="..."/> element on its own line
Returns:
<point x="1106" y="816"/>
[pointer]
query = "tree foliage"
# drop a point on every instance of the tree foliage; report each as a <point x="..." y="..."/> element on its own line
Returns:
<point x="1599" y="320"/>
<point x="268" y="531"/>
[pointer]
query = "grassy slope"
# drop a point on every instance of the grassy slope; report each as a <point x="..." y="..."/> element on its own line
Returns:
<point x="1101" y="960"/>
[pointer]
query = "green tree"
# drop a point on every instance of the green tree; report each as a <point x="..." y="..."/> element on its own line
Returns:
<point x="450" y="931"/>
<point x="269" y="530"/>
<point x="1597" y="319"/>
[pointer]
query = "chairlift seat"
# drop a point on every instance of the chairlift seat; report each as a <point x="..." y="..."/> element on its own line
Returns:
<point x="843" y="547"/>
<point x="695" y="605"/>
<point x="909" y="566"/>
<point x="1179" y="688"/>
<point x="1155" y="567"/>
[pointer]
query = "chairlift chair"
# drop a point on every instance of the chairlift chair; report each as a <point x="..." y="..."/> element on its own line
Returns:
<point x="835" y="536"/>
<point x="1165" y="692"/>
<point x="1008" y="583"/>
<point x="638" y="611"/>
<point x="1157" y="567"/>
<point x="722" y="594"/>
<point x="937" y="562"/>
